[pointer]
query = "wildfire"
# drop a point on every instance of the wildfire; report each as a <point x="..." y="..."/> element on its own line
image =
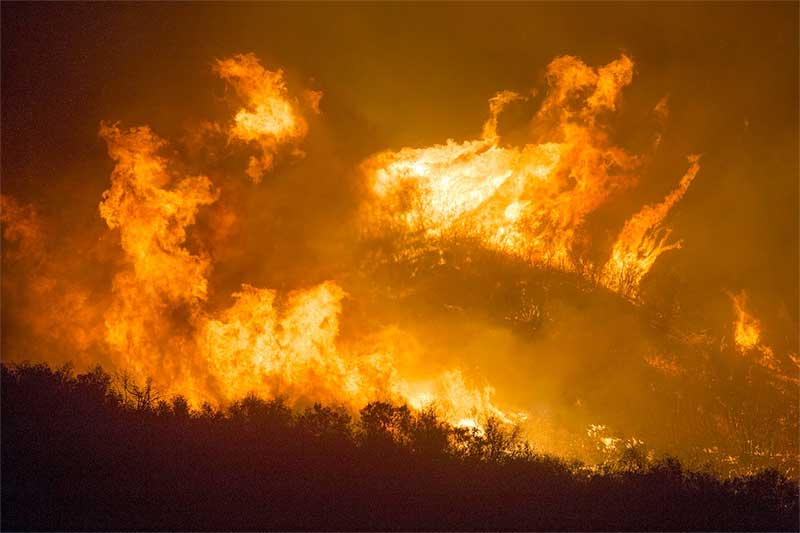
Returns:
<point x="530" y="201"/>
<point x="22" y="227"/>
<point x="157" y="324"/>
<point x="533" y="202"/>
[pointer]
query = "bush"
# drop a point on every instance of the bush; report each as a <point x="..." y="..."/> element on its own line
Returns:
<point x="93" y="453"/>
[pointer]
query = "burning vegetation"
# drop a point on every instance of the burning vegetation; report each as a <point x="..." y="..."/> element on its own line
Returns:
<point x="488" y="232"/>
<point x="532" y="201"/>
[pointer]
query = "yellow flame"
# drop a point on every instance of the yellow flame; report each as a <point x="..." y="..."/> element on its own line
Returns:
<point x="270" y="117"/>
<point x="157" y="324"/>
<point x="529" y="201"/>
<point x="747" y="330"/>
<point x="643" y="239"/>
<point x="164" y="284"/>
<point x="747" y="337"/>
<point x="666" y="366"/>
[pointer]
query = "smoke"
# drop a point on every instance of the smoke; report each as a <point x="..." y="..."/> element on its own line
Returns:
<point x="44" y="304"/>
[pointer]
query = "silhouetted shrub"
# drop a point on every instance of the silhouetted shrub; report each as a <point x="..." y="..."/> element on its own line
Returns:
<point x="93" y="453"/>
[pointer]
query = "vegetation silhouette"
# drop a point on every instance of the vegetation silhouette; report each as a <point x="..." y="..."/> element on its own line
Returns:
<point x="88" y="452"/>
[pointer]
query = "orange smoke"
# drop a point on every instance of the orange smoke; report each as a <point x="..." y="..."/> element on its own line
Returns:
<point x="21" y="228"/>
<point x="531" y="201"/>
<point x="56" y="307"/>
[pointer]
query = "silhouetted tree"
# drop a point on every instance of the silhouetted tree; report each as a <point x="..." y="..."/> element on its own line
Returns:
<point x="87" y="452"/>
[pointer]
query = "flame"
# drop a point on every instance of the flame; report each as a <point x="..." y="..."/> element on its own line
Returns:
<point x="643" y="239"/>
<point x="157" y="324"/>
<point x="666" y="366"/>
<point x="292" y="351"/>
<point x="747" y="330"/>
<point x="163" y="278"/>
<point x="747" y="336"/>
<point x="530" y="201"/>
<point x="270" y="117"/>
<point x="450" y="395"/>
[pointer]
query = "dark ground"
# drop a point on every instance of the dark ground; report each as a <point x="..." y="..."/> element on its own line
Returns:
<point x="84" y="453"/>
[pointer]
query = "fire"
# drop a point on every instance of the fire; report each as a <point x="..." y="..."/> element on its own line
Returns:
<point x="665" y="366"/>
<point x="450" y="395"/>
<point x="158" y="324"/>
<point x="291" y="349"/>
<point x="747" y="336"/>
<point x="644" y="238"/>
<point x="164" y="284"/>
<point x="270" y="117"/>
<point x="747" y="329"/>
<point x="530" y="201"/>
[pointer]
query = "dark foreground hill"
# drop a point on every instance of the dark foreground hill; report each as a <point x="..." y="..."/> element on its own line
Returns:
<point x="79" y="453"/>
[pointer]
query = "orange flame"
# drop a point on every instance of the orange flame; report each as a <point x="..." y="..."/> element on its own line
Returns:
<point x="270" y="118"/>
<point x="643" y="239"/>
<point x="157" y="324"/>
<point x="747" y="330"/>
<point x="747" y="337"/>
<point x="531" y="201"/>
